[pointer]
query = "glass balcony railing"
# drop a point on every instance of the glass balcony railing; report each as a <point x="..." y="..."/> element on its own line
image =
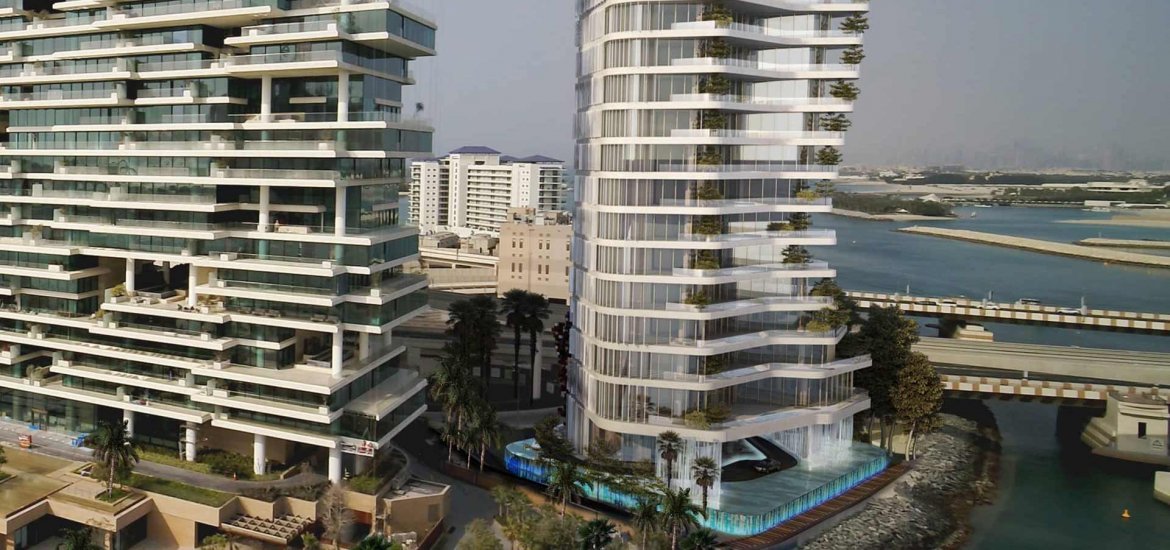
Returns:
<point x="764" y="101"/>
<point x="755" y="134"/>
<point x="764" y="66"/>
<point x="188" y="6"/>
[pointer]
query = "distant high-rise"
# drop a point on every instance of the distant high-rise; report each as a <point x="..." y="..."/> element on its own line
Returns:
<point x="703" y="129"/>
<point x="471" y="189"/>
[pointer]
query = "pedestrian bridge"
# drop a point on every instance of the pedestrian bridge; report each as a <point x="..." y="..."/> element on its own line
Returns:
<point x="985" y="311"/>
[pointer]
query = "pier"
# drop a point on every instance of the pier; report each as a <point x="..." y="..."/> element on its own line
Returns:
<point x="1045" y="247"/>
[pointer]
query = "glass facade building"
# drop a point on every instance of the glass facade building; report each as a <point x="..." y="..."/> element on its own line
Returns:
<point x="702" y="130"/>
<point x="199" y="228"/>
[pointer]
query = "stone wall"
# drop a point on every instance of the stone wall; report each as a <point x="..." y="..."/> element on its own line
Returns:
<point x="929" y="507"/>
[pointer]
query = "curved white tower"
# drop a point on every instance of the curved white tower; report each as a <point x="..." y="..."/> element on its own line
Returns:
<point x="699" y="129"/>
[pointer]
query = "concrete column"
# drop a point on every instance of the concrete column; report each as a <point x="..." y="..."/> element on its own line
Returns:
<point x="130" y="267"/>
<point x="166" y="272"/>
<point x="339" y="213"/>
<point x="192" y="282"/>
<point x="128" y="420"/>
<point x="343" y="97"/>
<point x="18" y="406"/>
<point x="536" y="368"/>
<point x="265" y="193"/>
<point x="360" y="464"/>
<point x="70" y="415"/>
<point x="335" y="465"/>
<point x="266" y="99"/>
<point x="363" y="345"/>
<point x="190" y="439"/>
<point x="338" y="353"/>
<point x="259" y="454"/>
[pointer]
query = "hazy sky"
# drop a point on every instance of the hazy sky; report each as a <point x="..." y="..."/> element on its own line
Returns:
<point x="1001" y="83"/>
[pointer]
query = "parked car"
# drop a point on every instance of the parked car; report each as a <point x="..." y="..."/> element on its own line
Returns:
<point x="1068" y="311"/>
<point x="948" y="303"/>
<point x="1028" y="302"/>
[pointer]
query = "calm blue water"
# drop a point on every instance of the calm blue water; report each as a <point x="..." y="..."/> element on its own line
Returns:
<point x="1051" y="495"/>
<point x="872" y="256"/>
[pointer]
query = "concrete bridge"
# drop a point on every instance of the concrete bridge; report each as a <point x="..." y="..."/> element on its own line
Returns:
<point x="1044" y="371"/>
<point x="965" y="309"/>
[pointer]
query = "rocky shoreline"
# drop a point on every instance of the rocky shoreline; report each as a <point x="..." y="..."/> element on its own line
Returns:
<point x="929" y="507"/>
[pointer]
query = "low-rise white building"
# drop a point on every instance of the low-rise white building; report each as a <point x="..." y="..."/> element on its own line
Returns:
<point x="471" y="189"/>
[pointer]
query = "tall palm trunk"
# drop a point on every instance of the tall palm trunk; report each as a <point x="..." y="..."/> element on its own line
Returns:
<point x="482" y="452"/>
<point x="516" y="366"/>
<point x="532" y="345"/>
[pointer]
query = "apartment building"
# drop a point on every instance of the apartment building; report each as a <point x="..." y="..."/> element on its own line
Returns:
<point x="471" y="189"/>
<point x="534" y="252"/>
<point x="200" y="233"/>
<point x="700" y="133"/>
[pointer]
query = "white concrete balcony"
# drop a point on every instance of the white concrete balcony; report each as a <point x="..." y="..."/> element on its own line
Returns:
<point x="723" y="241"/>
<point x="276" y="33"/>
<point x="697" y="207"/>
<point x="755" y="35"/>
<point x="177" y="385"/>
<point x="268" y="404"/>
<point x="670" y="169"/>
<point x="721" y="310"/>
<point x="749" y="137"/>
<point x="760" y="70"/>
<point x="218" y="13"/>
<point x="743" y="423"/>
<point x="760" y="104"/>
<point x="324" y="297"/>
<point x="727" y="275"/>
<point x="61" y="98"/>
<point x="807" y="6"/>
<point x="293" y="64"/>
<point x="744" y="375"/>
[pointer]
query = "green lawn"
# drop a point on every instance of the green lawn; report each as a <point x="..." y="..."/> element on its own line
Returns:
<point x="115" y="496"/>
<point x="172" y="460"/>
<point x="179" y="490"/>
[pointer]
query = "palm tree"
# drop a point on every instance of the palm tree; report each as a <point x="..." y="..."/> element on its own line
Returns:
<point x="679" y="513"/>
<point x="77" y="539"/>
<point x="484" y="430"/>
<point x="645" y="516"/>
<point x="564" y="482"/>
<point x="475" y="328"/>
<point x="114" y="450"/>
<point x="515" y="306"/>
<point x="705" y="471"/>
<point x="701" y="539"/>
<point x="596" y="534"/>
<point x="669" y="445"/>
<point x="537" y="314"/>
<point x="454" y="389"/>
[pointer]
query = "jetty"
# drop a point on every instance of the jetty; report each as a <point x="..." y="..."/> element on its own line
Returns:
<point x="1047" y="247"/>
<point x="1125" y="243"/>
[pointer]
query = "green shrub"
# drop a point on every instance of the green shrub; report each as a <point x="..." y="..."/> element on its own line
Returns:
<point x="228" y="463"/>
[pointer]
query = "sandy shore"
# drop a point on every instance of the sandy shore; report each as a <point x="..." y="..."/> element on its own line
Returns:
<point x="1133" y="218"/>
<point x="1046" y="247"/>
<point x="888" y="217"/>
<point x="1124" y="243"/>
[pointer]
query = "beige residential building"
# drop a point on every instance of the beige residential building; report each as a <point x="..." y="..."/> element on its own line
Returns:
<point x="534" y="253"/>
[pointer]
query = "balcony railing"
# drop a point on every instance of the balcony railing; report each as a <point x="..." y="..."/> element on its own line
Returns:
<point x="766" y="31"/>
<point x="188" y="6"/>
<point x="754" y="134"/>
<point x="763" y="66"/>
<point x="764" y="101"/>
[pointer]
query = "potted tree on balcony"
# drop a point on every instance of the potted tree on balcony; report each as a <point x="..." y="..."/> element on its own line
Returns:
<point x="715" y="85"/>
<point x="856" y="23"/>
<point x="796" y="255"/>
<point x="844" y="90"/>
<point x="718" y="13"/>
<point x="697" y="298"/>
<point x="835" y="123"/>
<point x="706" y="259"/>
<point x="829" y="156"/>
<point x="853" y="55"/>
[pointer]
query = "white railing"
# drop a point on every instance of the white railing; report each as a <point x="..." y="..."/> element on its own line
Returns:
<point x="287" y="28"/>
<point x="763" y="66"/>
<point x="774" y="101"/>
<point x="756" y="29"/>
<point x="762" y="134"/>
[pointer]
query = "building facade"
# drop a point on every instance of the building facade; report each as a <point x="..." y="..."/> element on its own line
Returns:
<point x="534" y="252"/>
<point x="471" y="189"/>
<point x="701" y="133"/>
<point x="200" y="223"/>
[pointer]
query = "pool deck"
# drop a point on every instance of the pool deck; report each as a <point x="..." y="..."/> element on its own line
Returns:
<point x="763" y="494"/>
<point x="786" y="531"/>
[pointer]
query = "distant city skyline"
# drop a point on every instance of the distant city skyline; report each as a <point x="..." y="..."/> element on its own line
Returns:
<point x="1059" y="84"/>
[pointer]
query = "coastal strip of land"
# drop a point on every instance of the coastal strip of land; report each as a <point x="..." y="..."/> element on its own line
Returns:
<point x="1125" y="243"/>
<point x="888" y="217"/>
<point x="1133" y="218"/>
<point x="1046" y="247"/>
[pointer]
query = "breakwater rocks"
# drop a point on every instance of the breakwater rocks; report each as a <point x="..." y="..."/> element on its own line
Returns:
<point x="928" y="507"/>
